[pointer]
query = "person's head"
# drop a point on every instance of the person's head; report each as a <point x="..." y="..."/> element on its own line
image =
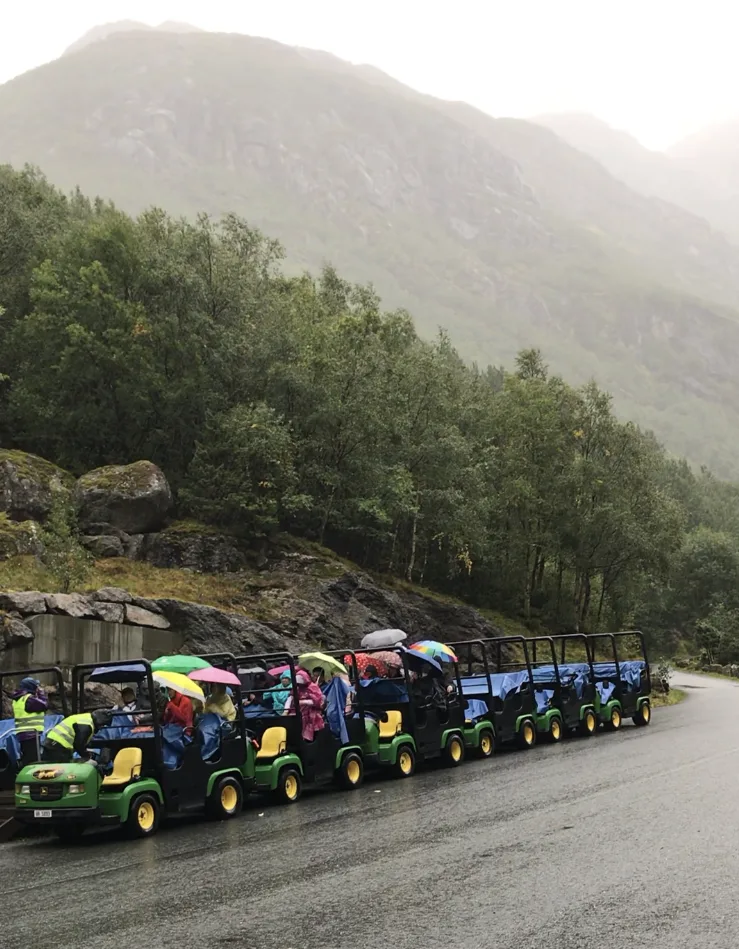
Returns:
<point x="370" y="671"/>
<point x="171" y="694"/>
<point x="319" y="675"/>
<point x="30" y="685"/>
<point x="285" y="680"/>
<point x="218" y="690"/>
<point x="128" y="696"/>
<point x="101" y="718"/>
<point x="302" y="679"/>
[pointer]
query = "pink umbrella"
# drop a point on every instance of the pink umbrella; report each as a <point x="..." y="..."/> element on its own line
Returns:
<point x="277" y="671"/>
<point x="221" y="676"/>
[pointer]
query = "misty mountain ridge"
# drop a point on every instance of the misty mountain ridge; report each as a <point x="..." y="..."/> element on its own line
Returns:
<point x="497" y="229"/>
<point x="104" y="30"/>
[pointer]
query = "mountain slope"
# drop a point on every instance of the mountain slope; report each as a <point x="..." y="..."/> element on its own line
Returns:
<point x="650" y="173"/>
<point x="496" y="229"/>
<point x="712" y="155"/>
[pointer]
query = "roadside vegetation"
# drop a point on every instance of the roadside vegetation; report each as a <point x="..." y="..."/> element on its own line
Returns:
<point x="297" y="404"/>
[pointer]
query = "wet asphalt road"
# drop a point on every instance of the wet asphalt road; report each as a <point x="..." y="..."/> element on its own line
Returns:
<point x="623" y="840"/>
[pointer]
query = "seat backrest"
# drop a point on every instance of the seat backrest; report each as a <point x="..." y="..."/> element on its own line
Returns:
<point x="126" y="767"/>
<point x="393" y="725"/>
<point x="273" y="743"/>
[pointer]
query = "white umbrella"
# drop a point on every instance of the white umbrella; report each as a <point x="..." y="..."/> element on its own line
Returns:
<point x="383" y="637"/>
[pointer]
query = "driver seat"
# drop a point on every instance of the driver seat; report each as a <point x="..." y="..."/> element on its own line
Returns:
<point x="391" y="724"/>
<point x="273" y="743"/>
<point x="126" y="767"/>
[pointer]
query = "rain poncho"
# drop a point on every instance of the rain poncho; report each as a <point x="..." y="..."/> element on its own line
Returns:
<point x="279" y="695"/>
<point x="179" y="711"/>
<point x="221" y="704"/>
<point x="311" y="701"/>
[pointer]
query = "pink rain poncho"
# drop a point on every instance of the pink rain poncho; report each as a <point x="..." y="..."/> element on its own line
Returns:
<point x="311" y="701"/>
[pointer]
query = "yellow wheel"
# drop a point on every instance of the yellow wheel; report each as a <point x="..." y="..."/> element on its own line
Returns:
<point x="527" y="734"/>
<point x="289" y="785"/>
<point x="405" y="763"/>
<point x="614" y="722"/>
<point x="487" y="744"/>
<point x="351" y="771"/>
<point x="454" y="751"/>
<point x="143" y="816"/>
<point x="588" y="724"/>
<point x="225" y="799"/>
<point x="644" y="716"/>
<point x="555" y="730"/>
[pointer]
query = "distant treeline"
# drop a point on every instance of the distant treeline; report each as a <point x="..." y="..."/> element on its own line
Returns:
<point x="299" y="404"/>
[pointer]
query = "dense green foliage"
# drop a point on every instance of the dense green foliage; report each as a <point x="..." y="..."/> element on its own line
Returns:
<point x="297" y="403"/>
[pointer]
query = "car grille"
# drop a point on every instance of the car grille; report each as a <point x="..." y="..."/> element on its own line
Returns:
<point x="47" y="792"/>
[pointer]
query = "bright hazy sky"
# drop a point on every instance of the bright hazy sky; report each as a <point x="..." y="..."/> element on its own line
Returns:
<point x="656" y="68"/>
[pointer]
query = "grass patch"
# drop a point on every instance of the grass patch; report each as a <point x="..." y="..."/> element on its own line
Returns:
<point x="673" y="697"/>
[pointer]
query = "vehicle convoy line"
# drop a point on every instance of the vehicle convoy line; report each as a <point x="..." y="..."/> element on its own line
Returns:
<point x="621" y="842"/>
<point x="289" y="734"/>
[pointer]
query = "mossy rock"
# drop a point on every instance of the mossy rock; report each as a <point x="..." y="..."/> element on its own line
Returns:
<point x="18" y="537"/>
<point x="28" y="485"/>
<point x="134" y="498"/>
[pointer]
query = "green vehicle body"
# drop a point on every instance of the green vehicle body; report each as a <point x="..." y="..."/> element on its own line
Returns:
<point x="65" y="796"/>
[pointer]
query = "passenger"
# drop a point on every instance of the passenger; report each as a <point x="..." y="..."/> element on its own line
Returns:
<point x="311" y="701"/>
<point x="319" y="676"/>
<point x="219" y="703"/>
<point x="73" y="734"/>
<point x="179" y="711"/>
<point x="29" y="706"/>
<point x="145" y="703"/>
<point x="281" y="692"/>
<point x="128" y="700"/>
<point x="370" y="672"/>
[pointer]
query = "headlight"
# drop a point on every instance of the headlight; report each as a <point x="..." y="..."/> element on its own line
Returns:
<point x="23" y="789"/>
<point x="76" y="789"/>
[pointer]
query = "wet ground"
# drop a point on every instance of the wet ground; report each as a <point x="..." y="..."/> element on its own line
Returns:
<point x="623" y="840"/>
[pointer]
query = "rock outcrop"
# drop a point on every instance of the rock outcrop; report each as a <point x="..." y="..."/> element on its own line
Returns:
<point x="134" y="499"/>
<point x="193" y="546"/>
<point x="28" y="484"/>
<point x="18" y="537"/>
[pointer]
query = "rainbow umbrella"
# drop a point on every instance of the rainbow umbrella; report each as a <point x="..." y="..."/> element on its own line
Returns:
<point x="439" y="651"/>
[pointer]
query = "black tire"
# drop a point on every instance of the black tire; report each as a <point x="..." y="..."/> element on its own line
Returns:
<point x="644" y="716"/>
<point x="69" y="833"/>
<point x="454" y="751"/>
<point x="350" y="774"/>
<point x="226" y="799"/>
<point x="556" y="730"/>
<point x="588" y="724"/>
<point x="405" y="762"/>
<point x="143" y="816"/>
<point x="614" y="722"/>
<point x="289" y="786"/>
<point x="527" y="734"/>
<point x="487" y="744"/>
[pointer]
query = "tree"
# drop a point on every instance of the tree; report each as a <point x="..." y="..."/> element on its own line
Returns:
<point x="63" y="555"/>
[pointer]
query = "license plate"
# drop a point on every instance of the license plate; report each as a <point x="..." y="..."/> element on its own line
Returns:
<point x="42" y="813"/>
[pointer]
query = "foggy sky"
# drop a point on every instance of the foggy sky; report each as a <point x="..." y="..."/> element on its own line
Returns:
<point x="658" y="69"/>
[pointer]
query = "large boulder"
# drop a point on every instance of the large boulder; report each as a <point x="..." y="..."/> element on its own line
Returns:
<point x="13" y="632"/>
<point x="18" y="537"/>
<point x="194" y="547"/>
<point x="28" y="484"/>
<point x="131" y="498"/>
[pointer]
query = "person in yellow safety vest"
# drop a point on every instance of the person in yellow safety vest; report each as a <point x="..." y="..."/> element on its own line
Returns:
<point x="29" y="707"/>
<point x="73" y="734"/>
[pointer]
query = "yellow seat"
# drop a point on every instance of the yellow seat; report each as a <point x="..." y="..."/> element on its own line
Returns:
<point x="273" y="743"/>
<point x="126" y="767"/>
<point x="393" y="725"/>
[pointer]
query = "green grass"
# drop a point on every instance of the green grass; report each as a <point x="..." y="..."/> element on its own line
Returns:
<point x="673" y="697"/>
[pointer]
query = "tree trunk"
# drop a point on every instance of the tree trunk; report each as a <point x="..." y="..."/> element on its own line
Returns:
<point x="412" y="558"/>
<point x="527" y="586"/>
<point x="560" y="573"/>
<point x="327" y="513"/>
<point x="585" y="599"/>
<point x="391" y="561"/>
